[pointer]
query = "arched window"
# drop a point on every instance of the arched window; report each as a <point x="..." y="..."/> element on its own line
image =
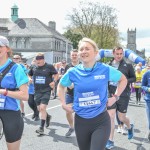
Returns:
<point x="27" y="44"/>
<point x="18" y="44"/>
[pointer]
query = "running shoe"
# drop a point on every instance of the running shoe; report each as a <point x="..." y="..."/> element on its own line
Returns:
<point x="70" y="131"/>
<point x="54" y="97"/>
<point x="23" y="115"/>
<point x="36" y="118"/>
<point x="123" y="131"/>
<point x="40" y="131"/>
<point x="48" y="119"/>
<point x="119" y="130"/>
<point x="131" y="132"/>
<point x="33" y="116"/>
<point x="109" y="145"/>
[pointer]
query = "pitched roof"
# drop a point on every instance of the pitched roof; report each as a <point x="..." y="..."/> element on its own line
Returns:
<point x="6" y="22"/>
<point x="30" y="27"/>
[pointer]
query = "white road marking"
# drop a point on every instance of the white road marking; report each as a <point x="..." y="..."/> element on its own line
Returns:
<point x="46" y="109"/>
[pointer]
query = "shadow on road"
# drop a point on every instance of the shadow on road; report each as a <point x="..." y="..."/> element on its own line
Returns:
<point x="58" y="138"/>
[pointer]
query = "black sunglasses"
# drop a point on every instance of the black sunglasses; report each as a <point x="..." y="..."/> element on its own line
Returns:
<point x="16" y="58"/>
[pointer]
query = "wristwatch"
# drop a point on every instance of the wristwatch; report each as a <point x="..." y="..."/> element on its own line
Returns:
<point x="117" y="97"/>
<point x="54" y="81"/>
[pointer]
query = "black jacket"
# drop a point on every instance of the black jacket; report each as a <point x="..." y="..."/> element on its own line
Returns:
<point x="128" y="70"/>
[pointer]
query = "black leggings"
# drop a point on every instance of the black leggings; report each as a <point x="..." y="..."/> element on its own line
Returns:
<point x="92" y="134"/>
<point x="32" y="105"/>
<point x="138" y="92"/>
<point x="13" y="125"/>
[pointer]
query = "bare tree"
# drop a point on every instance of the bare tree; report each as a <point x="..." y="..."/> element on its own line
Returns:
<point x="96" y="21"/>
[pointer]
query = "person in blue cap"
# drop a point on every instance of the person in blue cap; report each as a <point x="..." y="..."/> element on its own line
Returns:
<point x="13" y="89"/>
<point x="90" y="80"/>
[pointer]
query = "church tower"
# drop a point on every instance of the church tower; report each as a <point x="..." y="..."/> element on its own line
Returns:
<point x="14" y="13"/>
<point x="131" y="40"/>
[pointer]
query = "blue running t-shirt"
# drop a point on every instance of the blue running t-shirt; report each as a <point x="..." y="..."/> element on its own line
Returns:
<point x="90" y="87"/>
<point x="12" y="80"/>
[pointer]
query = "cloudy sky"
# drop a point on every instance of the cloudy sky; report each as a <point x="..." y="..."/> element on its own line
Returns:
<point x="131" y="14"/>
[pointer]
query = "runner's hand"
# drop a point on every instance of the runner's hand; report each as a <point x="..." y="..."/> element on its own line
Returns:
<point x="111" y="101"/>
<point x="52" y="84"/>
<point x="67" y="108"/>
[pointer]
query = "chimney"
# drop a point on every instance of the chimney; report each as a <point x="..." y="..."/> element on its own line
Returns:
<point x="52" y="25"/>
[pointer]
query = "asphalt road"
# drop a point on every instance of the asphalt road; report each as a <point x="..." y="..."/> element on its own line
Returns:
<point x="54" y="138"/>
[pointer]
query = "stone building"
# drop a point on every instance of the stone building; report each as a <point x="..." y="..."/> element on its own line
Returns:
<point x="131" y="39"/>
<point x="131" y="43"/>
<point x="28" y="36"/>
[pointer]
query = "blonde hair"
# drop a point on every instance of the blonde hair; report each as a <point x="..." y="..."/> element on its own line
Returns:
<point x="40" y="54"/>
<point x="90" y="41"/>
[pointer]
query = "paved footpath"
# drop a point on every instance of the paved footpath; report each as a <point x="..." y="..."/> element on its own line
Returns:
<point x="54" y="138"/>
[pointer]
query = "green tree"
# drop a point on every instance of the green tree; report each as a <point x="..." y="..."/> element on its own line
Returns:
<point x="73" y="37"/>
<point x="96" y="21"/>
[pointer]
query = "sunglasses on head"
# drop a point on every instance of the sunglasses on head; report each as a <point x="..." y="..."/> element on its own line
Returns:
<point x="16" y="58"/>
<point x="39" y="57"/>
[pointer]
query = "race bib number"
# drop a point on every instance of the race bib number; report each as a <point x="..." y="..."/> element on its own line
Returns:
<point x="40" y="80"/>
<point x="89" y="99"/>
<point x="138" y="83"/>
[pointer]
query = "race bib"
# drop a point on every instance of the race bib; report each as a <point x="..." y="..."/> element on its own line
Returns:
<point x="40" y="80"/>
<point x="89" y="99"/>
<point x="2" y="101"/>
<point x="113" y="83"/>
<point x="138" y="84"/>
